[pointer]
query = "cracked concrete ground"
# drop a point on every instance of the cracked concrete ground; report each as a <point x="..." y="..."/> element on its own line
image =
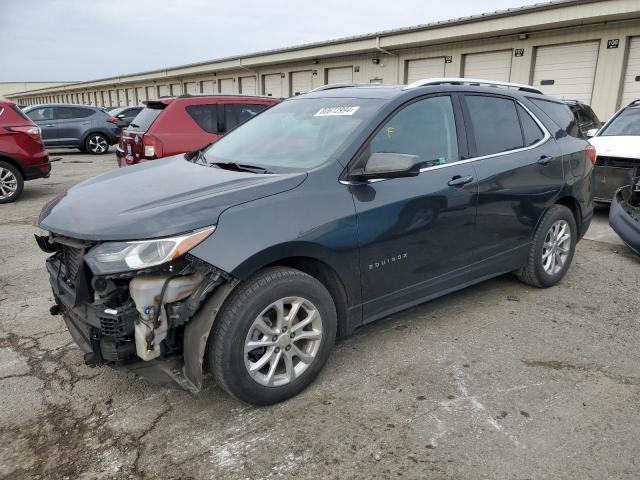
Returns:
<point x="499" y="381"/>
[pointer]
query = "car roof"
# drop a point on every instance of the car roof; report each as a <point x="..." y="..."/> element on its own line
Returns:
<point x="218" y="96"/>
<point x="31" y="107"/>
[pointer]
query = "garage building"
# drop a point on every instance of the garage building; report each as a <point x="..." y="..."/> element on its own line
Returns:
<point x="587" y="50"/>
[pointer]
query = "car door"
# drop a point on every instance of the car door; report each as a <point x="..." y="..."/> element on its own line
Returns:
<point x="44" y="118"/>
<point x="72" y="123"/>
<point x="519" y="171"/>
<point x="414" y="233"/>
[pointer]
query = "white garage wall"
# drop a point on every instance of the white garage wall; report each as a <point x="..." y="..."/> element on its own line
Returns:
<point x="489" y="65"/>
<point x="631" y="82"/>
<point x="424" y="68"/>
<point x="571" y="68"/>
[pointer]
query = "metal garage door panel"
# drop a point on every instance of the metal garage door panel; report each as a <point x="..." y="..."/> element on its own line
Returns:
<point x="207" y="86"/>
<point x="191" y="88"/>
<point x="141" y="94"/>
<point x="489" y="66"/>
<point x="300" y="82"/>
<point x="571" y="68"/>
<point x="176" y="89"/>
<point x="340" y="75"/>
<point x="163" y="90"/>
<point x="425" y="68"/>
<point x="131" y="98"/>
<point x="631" y="88"/>
<point x="226" y="85"/>
<point x="248" y="85"/>
<point x="273" y="85"/>
<point x="152" y="93"/>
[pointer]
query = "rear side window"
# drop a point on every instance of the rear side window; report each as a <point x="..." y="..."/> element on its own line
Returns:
<point x="45" y="113"/>
<point x="530" y="129"/>
<point x="206" y="116"/>
<point x="495" y="124"/>
<point x="561" y="114"/>
<point x="66" y="113"/>
<point x="237" y="113"/>
<point x="145" y="118"/>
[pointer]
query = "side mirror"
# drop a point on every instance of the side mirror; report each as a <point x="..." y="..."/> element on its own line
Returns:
<point x="389" y="165"/>
<point x="121" y="116"/>
<point x="592" y="132"/>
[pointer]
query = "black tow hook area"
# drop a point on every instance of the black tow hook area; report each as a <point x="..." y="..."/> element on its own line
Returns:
<point x="54" y="309"/>
<point x="92" y="360"/>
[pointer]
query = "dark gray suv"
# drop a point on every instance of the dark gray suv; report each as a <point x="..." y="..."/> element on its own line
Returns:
<point x="88" y="128"/>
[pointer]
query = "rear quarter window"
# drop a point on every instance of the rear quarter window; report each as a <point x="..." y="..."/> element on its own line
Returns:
<point x="495" y="123"/>
<point x="561" y="115"/>
<point x="206" y="116"/>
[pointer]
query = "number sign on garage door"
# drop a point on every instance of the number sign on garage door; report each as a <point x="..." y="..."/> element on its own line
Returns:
<point x="488" y="66"/>
<point x="248" y="85"/>
<point x="273" y="85"/>
<point x="340" y="75"/>
<point x="300" y="82"/>
<point x="425" y="68"/>
<point x="631" y="86"/>
<point x="567" y="71"/>
<point x="226" y="85"/>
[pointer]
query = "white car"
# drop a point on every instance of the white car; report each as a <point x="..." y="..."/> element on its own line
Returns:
<point x="617" y="145"/>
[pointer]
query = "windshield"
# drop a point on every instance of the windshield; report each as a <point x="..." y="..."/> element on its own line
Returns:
<point x="296" y="134"/>
<point x="627" y="123"/>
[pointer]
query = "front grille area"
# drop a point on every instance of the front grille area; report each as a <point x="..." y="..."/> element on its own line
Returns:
<point x="72" y="259"/>
<point x="120" y="324"/>
<point x="621" y="162"/>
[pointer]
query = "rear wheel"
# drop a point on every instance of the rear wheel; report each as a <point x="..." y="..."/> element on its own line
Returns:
<point x="552" y="249"/>
<point x="11" y="183"/>
<point x="273" y="336"/>
<point x="96" y="144"/>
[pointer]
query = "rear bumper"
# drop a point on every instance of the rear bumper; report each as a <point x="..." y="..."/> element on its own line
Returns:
<point x="624" y="218"/>
<point x="31" y="172"/>
<point x="608" y="179"/>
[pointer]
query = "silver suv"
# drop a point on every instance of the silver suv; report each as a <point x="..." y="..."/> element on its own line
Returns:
<point x="88" y="128"/>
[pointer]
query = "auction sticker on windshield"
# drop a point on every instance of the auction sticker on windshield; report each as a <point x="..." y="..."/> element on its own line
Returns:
<point x="333" y="111"/>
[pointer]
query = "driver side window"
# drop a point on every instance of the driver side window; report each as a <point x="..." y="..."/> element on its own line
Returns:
<point x="425" y="128"/>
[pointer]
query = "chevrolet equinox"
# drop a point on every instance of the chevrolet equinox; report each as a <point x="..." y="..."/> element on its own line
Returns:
<point x="321" y="214"/>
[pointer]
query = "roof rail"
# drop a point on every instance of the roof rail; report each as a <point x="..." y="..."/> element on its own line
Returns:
<point x="333" y="86"/>
<point x="471" y="81"/>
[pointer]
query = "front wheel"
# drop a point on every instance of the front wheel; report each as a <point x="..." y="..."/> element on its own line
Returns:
<point x="273" y="336"/>
<point x="96" y="144"/>
<point x="552" y="249"/>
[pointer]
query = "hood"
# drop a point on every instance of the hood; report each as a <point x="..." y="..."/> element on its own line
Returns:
<point x="623" y="146"/>
<point x="156" y="199"/>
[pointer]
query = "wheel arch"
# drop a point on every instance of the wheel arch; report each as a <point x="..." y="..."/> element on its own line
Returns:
<point x="6" y="158"/>
<point x="572" y="204"/>
<point x="91" y="131"/>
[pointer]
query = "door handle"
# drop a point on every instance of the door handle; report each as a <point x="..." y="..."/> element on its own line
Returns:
<point x="458" y="181"/>
<point x="49" y="125"/>
<point x="544" y="160"/>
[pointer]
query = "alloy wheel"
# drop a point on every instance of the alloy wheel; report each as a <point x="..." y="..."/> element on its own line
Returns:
<point x="97" y="144"/>
<point x="8" y="183"/>
<point x="283" y="341"/>
<point x="556" y="247"/>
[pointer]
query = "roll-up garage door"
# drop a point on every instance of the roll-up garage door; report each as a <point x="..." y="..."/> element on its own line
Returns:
<point x="273" y="85"/>
<point x="300" y="82"/>
<point x="131" y="99"/>
<point x="226" y="85"/>
<point x="488" y="66"/>
<point x="425" y="68"/>
<point x="248" y="85"/>
<point x="567" y="71"/>
<point x="207" y="86"/>
<point x="152" y="93"/>
<point x="340" y="75"/>
<point x="141" y="95"/>
<point x="176" y="89"/>
<point x="191" y="88"/>
<point x="164" y="91"/>
<point x="631" y="86"/>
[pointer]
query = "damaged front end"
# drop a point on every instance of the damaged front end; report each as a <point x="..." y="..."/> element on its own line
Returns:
<point x="624" y="214"/>
<point x="149" y="318"/>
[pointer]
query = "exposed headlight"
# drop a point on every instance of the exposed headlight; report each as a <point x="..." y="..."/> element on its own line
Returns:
<point x="116" y="257"/>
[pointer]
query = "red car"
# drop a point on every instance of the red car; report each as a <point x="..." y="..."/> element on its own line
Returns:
<point x="22" y="153"/>
<point x="170" y="126"/>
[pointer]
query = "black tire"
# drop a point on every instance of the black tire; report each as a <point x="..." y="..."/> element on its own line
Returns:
<point x="15" y="175"/>
<point x="533" y="273"/>
<point x="226" y="353"/>
<point x="96" y="144"/>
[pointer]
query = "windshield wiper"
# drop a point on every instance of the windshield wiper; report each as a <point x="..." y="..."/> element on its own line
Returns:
<point x="240" y="167"/>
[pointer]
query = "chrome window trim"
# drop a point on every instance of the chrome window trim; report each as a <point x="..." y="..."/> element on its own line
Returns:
<point x="544" y="139"/>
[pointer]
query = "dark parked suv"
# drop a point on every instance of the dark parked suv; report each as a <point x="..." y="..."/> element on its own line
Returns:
<point x="326" y="212"/>
<point x="88" y="128"/>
